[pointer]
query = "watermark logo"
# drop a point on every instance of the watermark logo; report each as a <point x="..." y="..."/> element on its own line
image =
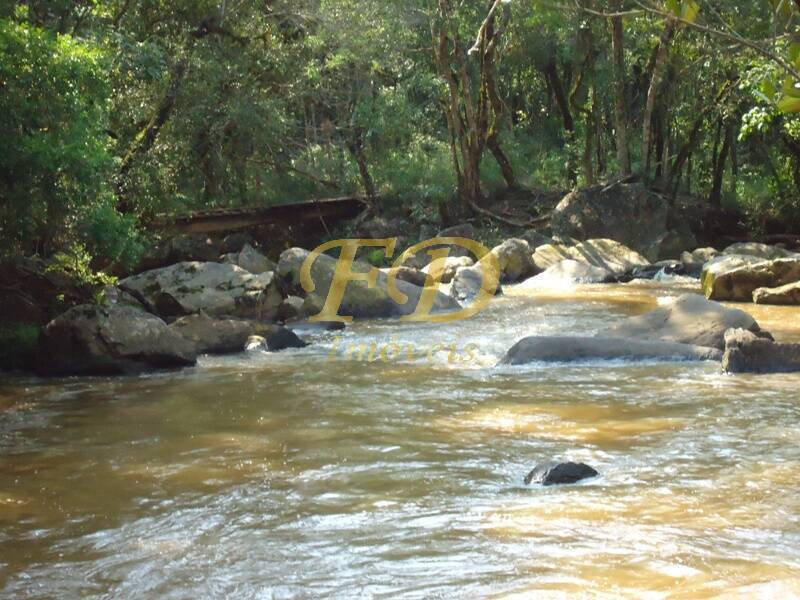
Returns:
<point x="437" y="248"/>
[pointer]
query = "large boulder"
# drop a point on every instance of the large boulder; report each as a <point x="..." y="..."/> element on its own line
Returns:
<point x="515" y="260"/>
<point x="567" y="273"/>
<point x="213" y="336"/>
<point x="251" y="260"/>
<point x="558" y="473"/>
<point x="788" y="294"/>
<point x="573" y="348"/>
<point x="606" y="254"/>
<point x="736" y="277"/>
<point x="217" y="289"/>
<point x="628" y="213"/>
<point x="746" y="352"/>
<point x="468" y="281"/>
<point x="451" y="265"/>
<point x="691" y="319"/>
<point x="96" y="340"/>
<point x="360" y="300"/>
<point x="763" y="251"/>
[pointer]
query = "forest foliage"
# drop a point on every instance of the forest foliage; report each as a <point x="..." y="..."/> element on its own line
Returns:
<point x="112" y="111"/>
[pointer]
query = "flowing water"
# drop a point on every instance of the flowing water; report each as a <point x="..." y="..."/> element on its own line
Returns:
<point x="317" y="473"/>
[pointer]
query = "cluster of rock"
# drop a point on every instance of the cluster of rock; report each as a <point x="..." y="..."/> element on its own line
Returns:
<point x="166" y="317"/>
<point x="753" y="273"/>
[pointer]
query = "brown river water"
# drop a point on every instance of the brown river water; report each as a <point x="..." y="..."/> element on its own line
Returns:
<point x="316" y="473"/>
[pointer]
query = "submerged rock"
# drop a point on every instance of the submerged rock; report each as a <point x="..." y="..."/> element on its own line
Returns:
<point x="556" y="473"/>
<point x="115" y="340"/>
<point x="576" y="348"/>
<point x="274" y="338"/>
<point x="746" y="352"/>
<point x="215" y="288"/>
<point x="691" y="319"/>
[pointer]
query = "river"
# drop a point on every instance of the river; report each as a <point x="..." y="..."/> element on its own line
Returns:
<point x="317" y="473"/>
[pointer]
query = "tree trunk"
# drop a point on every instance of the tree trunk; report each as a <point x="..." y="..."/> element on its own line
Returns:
<point x="356" y="148"/>
<point x="655" y="82"/>
<point x="620" y="101"/>
<point x="715" y="197"/>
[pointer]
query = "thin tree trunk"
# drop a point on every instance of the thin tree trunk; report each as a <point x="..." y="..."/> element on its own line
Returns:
<point x="715" y="197"/>
<point x="620" y="101"/>
<point x="652" y="92"/>
<point x="356" y="147"/>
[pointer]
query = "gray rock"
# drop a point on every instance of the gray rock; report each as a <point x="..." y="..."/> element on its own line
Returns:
<point x="605" y="254"/>
<point x="214" y="336"/>
<point x="628" y="213"/>
<point x="292" y="308"/>
<point x="114" y="340"/>
<point x="360" y="300"/>
<point x="214" y="288"/>
<point x="556" y="473"/>
<point x="451" y="265"/>
<point x="515" y="260"/>
<point x="746" y="352"/>
<point x="468" y="281"/>
<point x="736" y="277"/>
<point x="763" y="251"/>
<point x="788" y="295"/>
<point x="234" y="242"/>
<point x="535" y="238"/>
<point x="571" y="349"/>
<point x="672" y="244"/>
<point x="691" y="319"/>
<point x="253" y="261"/>
<point x="568" y="272"/>
<point x="407" y="274"/>
<point x="465" y="230"/>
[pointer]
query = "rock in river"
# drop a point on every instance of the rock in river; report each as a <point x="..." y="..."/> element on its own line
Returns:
<point x="568" y="272"/>
<point x="612" y="256"/>
<point x="215" y="288"/>
<point x="575" y="348"/>
<point x="788" y="294"/>
<point x="555" y="473"/>
<point x="691" y="319"/>
<point x="115" y="340"/>
<point x="360" y="300"/>
<point x="736" y="277"/>
<point x="746" y="352"/>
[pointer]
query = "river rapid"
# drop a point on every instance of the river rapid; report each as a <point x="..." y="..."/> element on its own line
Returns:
<point x="319" y="473"/>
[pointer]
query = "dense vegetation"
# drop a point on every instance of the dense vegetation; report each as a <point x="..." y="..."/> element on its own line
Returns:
<point x="114" y="110"/>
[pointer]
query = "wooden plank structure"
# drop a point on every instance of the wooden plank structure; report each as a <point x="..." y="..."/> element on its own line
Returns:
<point x="327" y="210"/>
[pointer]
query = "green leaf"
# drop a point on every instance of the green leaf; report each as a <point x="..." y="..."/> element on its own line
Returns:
<point x="789" y="104"/>
<point x="689" y="10"/>
<point x="674" y="6"/>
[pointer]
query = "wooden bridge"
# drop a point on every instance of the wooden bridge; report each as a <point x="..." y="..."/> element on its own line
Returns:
<point x="328" y="211"/>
